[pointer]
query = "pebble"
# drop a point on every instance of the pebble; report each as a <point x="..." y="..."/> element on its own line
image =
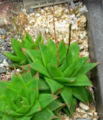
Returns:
<point x="94" y="118"/>
<point x="30" y="10"/>
<point x="2" y="70"/>
<point x="84" y="106"/>
<point x="2" y="31"/>
<point x="2" y="57"/>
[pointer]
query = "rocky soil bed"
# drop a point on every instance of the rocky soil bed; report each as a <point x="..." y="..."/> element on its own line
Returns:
<point x="41" y="21"/>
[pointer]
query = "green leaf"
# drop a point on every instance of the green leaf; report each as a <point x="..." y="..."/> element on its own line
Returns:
<point x="48" y="51"/>
<point x="44" y="54"/>
<point x="32" y="90"/>
<point x="55" y="105"/>
<point x="52" y="51"/>
<point x="6" y="117"/>
<point x="73" y="54"/>
<point x="87" y="67"/>
<point x="65" y="79"/>
<point x="39" y="39"/>
<point x="62" y="52"/>
<point x="46" y="99"/>
<point x="73" y="69"/>
<point x="34" y="55"/>
<point x="81" y="80"/>
<point x="43" y="86"/>
<point x="3" y="85"/>
<point x="39" y="68"/>
<point x="17" y="82"/>
<point x="67" y="96"/>
<point x="24" y="118"/>
<point x="36" y="87"/>
<point x="45" y="114"/>
<point x="54" y="86"/>
<point x="27" y="76"/>
<point x="73" y="106"/>
<point x="54" y="71"/>
<point x="81" y="93"/>
<point x="13" y="57"/>
<point x="34" y="109"/>
<point x="16" y="47"/>
<point x="79" y="66"/>
<point x="27" y="42"/>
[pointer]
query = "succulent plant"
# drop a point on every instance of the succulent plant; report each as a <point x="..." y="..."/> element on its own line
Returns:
<point x="20" y="99"/>
<point x="19" y="57"/>
<point x="69" y="80"/>
<point x="67" y="77"/>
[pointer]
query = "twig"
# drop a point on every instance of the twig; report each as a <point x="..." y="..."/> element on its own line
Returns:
<point x="55" y="35"/>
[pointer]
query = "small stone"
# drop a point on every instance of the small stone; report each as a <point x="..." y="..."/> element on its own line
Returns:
<point x="5" y="63"/>
<point x="2" y="70"/>
<point x="31" y="10"/>
<point x="94" y="118"/>
<point x="2" y="31"/>
<point x="3" y="37"/>
<point x="2" y="57"/>
<point x="85" y="116"/>
<point x="90" y="114"/>
<point x="84" y="107"/>
<point x="67" y="118"/>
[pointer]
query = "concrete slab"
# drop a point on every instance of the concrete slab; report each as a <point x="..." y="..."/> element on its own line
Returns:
<point x="95" y="32"/>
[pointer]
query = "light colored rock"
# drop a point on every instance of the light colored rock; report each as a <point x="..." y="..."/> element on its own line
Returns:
<point x="95" y="119"/>
<point x="84" y="107"/>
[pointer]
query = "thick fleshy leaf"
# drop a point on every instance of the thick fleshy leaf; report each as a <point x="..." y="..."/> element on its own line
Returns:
<point x="87" y="67"/>
<point x="6" y="117"/>
<point x="55" y="105"/>
<point x="34" y="55"/>
<point x="81" y="93"/>
<point x="27" y="42"/>
<point x="17" y="82"/>
<point x="24" y="118"/>
<point x="45" y="55"/>
<point x="46" y="99"/>
<point x="79" y="66"/>
<point x="81" y="80"/>
<point x="36" y="87"/>
<point x="32" y="90"/>
<point x="13" y="57"/>
<point x="54" y="71"/>
<point x="54" y="86"/>
<point x="67" y="96"/>
<point x="27" y="76"/>
<point x="39" y="39"/>
<point x="34" y="109"/>
<point x="73" y="106"/>
<point x="73" y="54"/>
<point x="62" y="52"/>
<point x="48" y="51"/>
<point x="45" y="114"/>
<point x="39" y="68"/>
<point x="43" y="86"/>
<point x="65" y="79"/>
<point x="73" y="69"/>
<point x="53" y="52"/>
<point x="3" y="85"/>
<point x="16" y="47"/>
